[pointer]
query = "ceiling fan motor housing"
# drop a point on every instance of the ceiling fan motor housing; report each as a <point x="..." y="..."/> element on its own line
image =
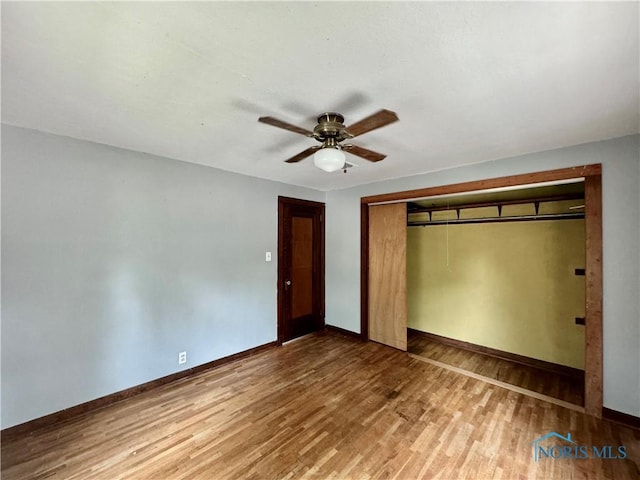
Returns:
<point x="330" y="126"/>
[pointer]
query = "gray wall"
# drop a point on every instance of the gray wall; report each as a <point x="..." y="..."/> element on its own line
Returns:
<point x="114" y="261"/>
<point x="621" y="244"/>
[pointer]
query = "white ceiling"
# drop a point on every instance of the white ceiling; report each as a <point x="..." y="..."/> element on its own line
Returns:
<point x="470" y="81"/>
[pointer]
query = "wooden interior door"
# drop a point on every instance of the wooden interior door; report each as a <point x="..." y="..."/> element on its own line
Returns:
<point x="300" y="268"/>
<point x="388" y="274"/>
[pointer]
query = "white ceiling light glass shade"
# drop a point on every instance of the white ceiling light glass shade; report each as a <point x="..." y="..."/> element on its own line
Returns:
<point x="329" y="159"/>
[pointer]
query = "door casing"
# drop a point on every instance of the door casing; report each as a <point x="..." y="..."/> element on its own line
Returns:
<point x="316" y="210"/>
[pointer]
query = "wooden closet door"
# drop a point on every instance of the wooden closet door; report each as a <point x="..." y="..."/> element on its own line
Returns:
<point x="388" y="274"/>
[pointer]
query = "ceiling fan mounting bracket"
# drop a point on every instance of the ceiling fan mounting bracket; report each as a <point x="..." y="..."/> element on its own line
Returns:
<point x="331" y="117"/>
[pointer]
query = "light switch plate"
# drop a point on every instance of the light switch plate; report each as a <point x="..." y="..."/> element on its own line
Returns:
<point x="267" y="256"/>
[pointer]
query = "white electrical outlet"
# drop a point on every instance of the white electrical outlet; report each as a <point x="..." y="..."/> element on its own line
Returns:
<point x="182" y="357"/>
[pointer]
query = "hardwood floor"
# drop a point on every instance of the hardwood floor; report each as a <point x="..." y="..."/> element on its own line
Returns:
<point x="540" y="381"/>
<point x="324" y="406"/>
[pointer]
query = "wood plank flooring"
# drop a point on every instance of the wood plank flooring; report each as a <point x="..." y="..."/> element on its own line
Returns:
<point x="540" y="381"/>
<point x="325" y="406"/>
<point x="499" y="383"/>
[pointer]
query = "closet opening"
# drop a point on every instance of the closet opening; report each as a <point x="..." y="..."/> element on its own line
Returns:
<point x="537" y="237"/>
<point x="496" y="286"/>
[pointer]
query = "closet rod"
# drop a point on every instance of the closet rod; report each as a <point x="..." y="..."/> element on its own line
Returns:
<point x="518" y="218"/>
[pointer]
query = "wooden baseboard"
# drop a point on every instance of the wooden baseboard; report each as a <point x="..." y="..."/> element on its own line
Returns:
<point x="92" y="405"/>
<point x="570" y="372"/>
<point x="343" y="332"/>
<point x="622" y="418"/>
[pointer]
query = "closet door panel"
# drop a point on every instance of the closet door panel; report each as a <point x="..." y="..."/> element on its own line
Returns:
<point x="388" y="274"/>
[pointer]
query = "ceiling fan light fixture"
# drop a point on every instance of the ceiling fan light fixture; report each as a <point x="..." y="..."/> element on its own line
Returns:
<point x="329" y="159"/>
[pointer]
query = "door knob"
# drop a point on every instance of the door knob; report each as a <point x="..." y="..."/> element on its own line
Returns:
<point x="288" y="283"/>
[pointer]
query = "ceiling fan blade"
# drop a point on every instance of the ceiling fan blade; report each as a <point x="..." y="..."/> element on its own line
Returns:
<point x="303" y="155"/>
<point x="377" y="120"/>
<point x="364" y="153"/>
<point x="287" y="126"/>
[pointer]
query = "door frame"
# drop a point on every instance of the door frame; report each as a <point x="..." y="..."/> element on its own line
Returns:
<point x="592" y="175"/>
<point x="318" y="255"/>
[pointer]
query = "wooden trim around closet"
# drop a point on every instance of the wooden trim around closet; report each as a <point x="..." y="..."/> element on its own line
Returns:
<point x="500" y="182"/>
<point x="364" y="272"/>
<point x="593" y="295"/>
<point x="593" y="226"/>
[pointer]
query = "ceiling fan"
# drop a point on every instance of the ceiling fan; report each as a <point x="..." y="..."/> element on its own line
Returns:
<point x="330" y="132"/>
